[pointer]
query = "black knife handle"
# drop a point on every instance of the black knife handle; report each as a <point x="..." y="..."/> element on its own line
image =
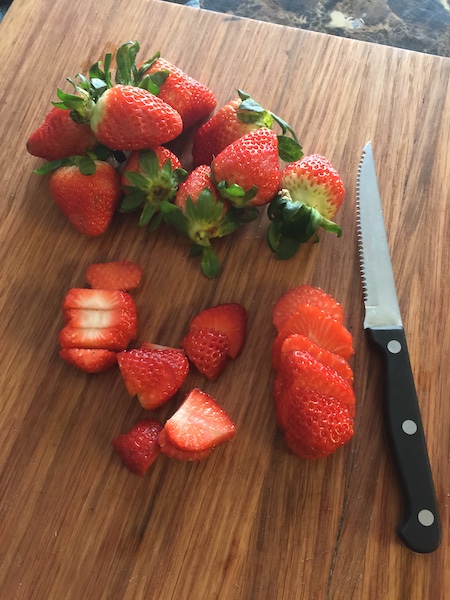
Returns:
<point x="419" y="528"/>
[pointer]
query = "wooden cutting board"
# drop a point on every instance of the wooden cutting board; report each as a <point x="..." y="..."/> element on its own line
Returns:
<point x="253" y="521"/>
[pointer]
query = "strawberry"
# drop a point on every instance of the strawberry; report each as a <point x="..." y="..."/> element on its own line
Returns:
<point x="102" y="319"/>
<point x="297" y="342"/>
<point x="87" y="191"/>
<point x="190" y="98"/>
<point x="60" y="136"/>
<point x="153" y="375"/>
<point x="199" y="214"/>
<point x="229" y="319"/>
<point x="300" y="368"/>
<point x="129" y="118"/>
<point x="173" y="451"/>
<point x="207" y="350"/>
<point x="247" y="172"/>
<point x="149" y="178"/>
<point x="316" y="425"/>
<point x="233" y="120"/>
<point x="199" y="424"/>
<point x="89" y="360"/>
<point x="313" y="323"/>
<point x="311" y="194"/>
<point x="315" y="406"/>
<point x="139" y="447"/>
<point x="289" y="301"/>
<point x="116" y="275"/>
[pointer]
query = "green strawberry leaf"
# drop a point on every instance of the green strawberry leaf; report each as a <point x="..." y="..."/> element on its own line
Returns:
<point x="235" y="194"/>
<point x="283" y="247"/>
<point x="147" y="214"/>
<point x="149" y="164"/>
<point x="196" y="250"/>
<point x="86" y="165"/>
<point x="155" y="222"/>
<point x="289" y="150"/>
<point x="134" y="199"/>
<point x="210" y="264"/>
<point x="136" y="179"/>
<point x="145" y="67"/>
<point x="126" y="63"/>
<point x="174" y="217"/>
<point x="208" y="209"/>
<point x="51" y="166"/>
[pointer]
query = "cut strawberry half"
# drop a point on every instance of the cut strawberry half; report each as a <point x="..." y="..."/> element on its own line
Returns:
<point x="88" y="359"/>
<point x="172" y="451"/>
<point x="303" y="344"/>
<point x="108" y="338"/>
<point x="302" y="294"/>
<point x="116" y="275"/>
<point x="229" y="319"/>
<point x="139" y="447"/>
<point x="312" y="322"/>
<point x="153" y="376"/>
<point x="199" y="424"/>
<point x="207" y="350"/>
<point x="96" y="299"/>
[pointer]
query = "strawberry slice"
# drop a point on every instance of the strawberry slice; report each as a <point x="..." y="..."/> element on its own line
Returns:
<point x="309" y="294"/>
<point x="199" y="424"/>
<point x="316" y="425"/>
<point x="98" y="319"/>
<point x="139" y="447"/>
<point x="88" y="359"/>
<point x="116" y="275"/>
<point x="207" y="350"/>
<point x="332" y="360"/>
<point x="154" y="376"/>
<point x="322" y="329"/>
<point x="229" y="319"/>
<point x="299" y="369"/>
<point x="172" y="451"/>
<point x="96" y="299"/>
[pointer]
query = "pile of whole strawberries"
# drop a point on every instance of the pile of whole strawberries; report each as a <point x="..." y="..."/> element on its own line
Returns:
<point x="106" y="147"/>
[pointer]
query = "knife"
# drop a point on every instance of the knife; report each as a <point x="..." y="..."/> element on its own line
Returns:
<point x="419" y="528"/>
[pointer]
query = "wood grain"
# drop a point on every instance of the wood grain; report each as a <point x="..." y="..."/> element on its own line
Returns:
<point x="252" y="522"/>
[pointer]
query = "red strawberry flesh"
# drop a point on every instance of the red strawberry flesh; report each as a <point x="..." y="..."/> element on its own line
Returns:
<point x="139" y="447"/>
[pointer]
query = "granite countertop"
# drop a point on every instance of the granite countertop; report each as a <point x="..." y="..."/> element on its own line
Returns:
<point x="420" y="25"/>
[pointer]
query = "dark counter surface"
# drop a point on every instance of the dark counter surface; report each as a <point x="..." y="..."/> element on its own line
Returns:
<point x="420" y="25"/>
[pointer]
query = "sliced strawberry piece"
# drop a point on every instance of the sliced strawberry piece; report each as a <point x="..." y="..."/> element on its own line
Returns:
<point x="229" y="319"/>
<point x="116" y="275"/>
<point x="303" y="344"/>
<point x="176" y="357"/>
<point x="139" y="447"/>
<point x="301" y="370"/>
<point x="88" y="359"/>
<point x="308" y="294"/>
<point x="323" y="330"/>
<point x="199" y="424"/>
<point x="172" y="451"/>
<point x="88" y="318"/>
<point x="108" y="338"/>
<point x="152" y="375"/>
<point x="315" y="425"/>
<point x="207" y="350"/>
<point x="96" y="299"/>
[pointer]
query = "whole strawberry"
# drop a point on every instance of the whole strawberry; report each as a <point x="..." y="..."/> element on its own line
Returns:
<point x="60" y="136"/>
<point x="247" y="172"/>
<point x="87" y="191"/>
<point x="235" y="119"/>
<point x="199" y="214"/>
<point x="190" y="98"/>
<point x="150" y="177"/>
<point x="130" y="118"/>
<point x="311" y="194"/>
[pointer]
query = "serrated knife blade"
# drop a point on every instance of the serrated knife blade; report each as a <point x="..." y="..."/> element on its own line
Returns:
<point x="419" y="528"/>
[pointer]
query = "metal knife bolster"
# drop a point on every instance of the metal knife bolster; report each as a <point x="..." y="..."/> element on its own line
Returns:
<point x="419" y="528"/>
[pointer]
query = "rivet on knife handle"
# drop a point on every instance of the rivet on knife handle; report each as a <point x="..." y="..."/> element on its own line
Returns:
<point x="420" y="528"/>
